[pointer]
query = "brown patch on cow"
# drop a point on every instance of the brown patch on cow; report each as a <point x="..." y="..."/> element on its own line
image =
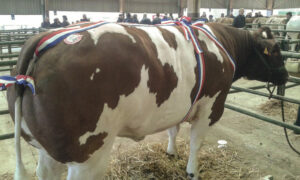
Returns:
<point x="92" y="144"/>
<point x="162" y="87"/>
<point x="169" y="37"/>
<point x="162" y="78"/>
<point x="68" y="104"/>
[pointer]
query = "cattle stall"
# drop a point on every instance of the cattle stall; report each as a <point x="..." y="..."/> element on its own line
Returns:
<point x="293" y="82"/>
<point x="11" y="42"/>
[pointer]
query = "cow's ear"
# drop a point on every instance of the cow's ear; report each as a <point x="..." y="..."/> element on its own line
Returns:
<point x="265" y="33"/>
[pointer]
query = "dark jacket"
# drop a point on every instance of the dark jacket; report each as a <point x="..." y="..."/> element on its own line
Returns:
<point x="239" y="21"/>
<point x="203" y="19"/>
<point x="128" y="20"/>
<point x="156" y="21"/>
<point x="55" y="25"/>
<point x="45" y="25"/>
<point x="84" y="20"/>
<point x="120" y="19"/>
<point x="65" y="23"/>
<point x="145" y="21"/>
<point x="134" y="20"/>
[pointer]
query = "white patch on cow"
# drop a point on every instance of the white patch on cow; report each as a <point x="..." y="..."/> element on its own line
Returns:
<point x="96" y="33"/>
<point x="200" y="126"/>
<point x="211" y="46"/>
<point x="264" y="35"/>
<point x="165" y="53"/>
<point x="92" y="76"/>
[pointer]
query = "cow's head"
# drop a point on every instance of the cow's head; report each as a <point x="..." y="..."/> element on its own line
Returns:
<point x="266" y="63"/>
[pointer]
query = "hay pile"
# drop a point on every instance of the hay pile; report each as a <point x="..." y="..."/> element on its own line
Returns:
<point x="7" y="176"/>
<point x="273" y="108"/>
<point x="150" y="161"/>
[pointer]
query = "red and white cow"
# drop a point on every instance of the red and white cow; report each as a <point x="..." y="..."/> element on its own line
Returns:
<point x="129" y="81"/>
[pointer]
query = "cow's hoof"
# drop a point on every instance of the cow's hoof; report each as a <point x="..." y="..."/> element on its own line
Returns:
<point x="137" y="139"/>
<point x="172" y="155"/>
<point x="191" y="176"/>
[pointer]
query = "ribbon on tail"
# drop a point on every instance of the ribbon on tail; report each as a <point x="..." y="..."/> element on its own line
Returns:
<point x="6" y="81"/>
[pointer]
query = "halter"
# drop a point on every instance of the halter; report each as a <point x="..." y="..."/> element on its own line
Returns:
<point x="271" y="70"/>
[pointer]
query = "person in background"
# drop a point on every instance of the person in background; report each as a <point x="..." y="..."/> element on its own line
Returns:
<point x="56" y="23"/>
<point x="249" y="15"/>
<point x="135" y="19"/>
<point x="65" y="21"/>
<point x="239" y="21"/>
<point x="157" y="19"/>
<point x="84" y="18"/>
<point x="165" y="18"/>
<point x="259" y="14"/>
<point x="210" y="18"/>
<point x="288" y="17"/>
<point x="46" y="24"/>
<point x="231" y="15"/>
<point x="171" y="16"/>
<point x="203" y="18"/>
<point x="222" y="15"/>
<point x="120" y="18"/>
<point x="128" y="18"/>
<point x="145" y="20"/>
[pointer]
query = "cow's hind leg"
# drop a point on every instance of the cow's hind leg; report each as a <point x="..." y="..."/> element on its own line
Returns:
<point x="95" y="167"/>
<point x="172" y="132"/>
<point x="48" y="168"/>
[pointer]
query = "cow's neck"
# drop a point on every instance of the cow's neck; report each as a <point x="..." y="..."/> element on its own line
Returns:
<point x="238" y="43"/>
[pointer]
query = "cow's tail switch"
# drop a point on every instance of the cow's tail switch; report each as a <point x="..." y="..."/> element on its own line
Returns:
<point x="20" y="172"/>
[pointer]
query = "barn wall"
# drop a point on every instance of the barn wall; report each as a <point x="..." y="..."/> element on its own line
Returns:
<point x="249" y="4"/>
<point x="84" y="5"/>
<point x="152" y="6"/>
<point x="20" y="7"/>
<point x="216" y="4"/>
<point x="285" y="4"/>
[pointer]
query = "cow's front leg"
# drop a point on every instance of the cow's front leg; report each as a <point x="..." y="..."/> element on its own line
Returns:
<point x="198" y="130"/>
<point x="48" y="168"/>
<point x="172" y="132"/>
<point x="206" y="109"/>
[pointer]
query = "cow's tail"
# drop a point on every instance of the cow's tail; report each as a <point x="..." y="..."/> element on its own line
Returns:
<point x="20" y="172"/>
<point x="24" y="67"/>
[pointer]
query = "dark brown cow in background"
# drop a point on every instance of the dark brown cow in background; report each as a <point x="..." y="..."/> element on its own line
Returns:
<point x="129" y="81"/>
